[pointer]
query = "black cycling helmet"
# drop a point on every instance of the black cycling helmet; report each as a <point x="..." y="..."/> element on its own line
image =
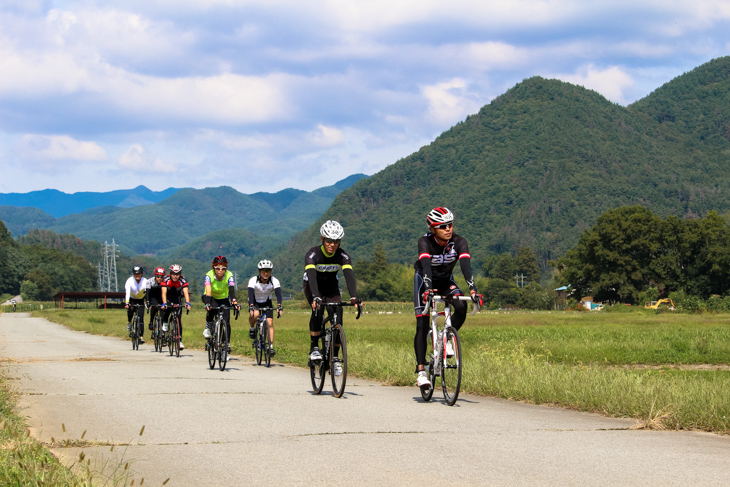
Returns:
<point x="220" y="260"/>
<point x="137" y="270"/>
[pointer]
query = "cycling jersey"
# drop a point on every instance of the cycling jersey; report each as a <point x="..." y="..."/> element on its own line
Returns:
<point x="154" y="290"/>
<point x="175" y="289"/>
<point x="437" y="262"/>
<point x="134" y="289"/>
<point x="261" y="292"/>
<point x="322" y="271"/>
<point x="220" y="289"/>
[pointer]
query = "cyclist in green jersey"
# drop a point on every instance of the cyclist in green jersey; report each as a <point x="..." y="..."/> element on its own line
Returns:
<point x="220" y="289"/>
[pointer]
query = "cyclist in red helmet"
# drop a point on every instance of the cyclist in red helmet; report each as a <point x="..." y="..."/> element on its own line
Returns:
<point x="438" y="252"/>
<point x="174" y="290"/>
<point x="220" y="289"/>
<point x="153" y="297"/>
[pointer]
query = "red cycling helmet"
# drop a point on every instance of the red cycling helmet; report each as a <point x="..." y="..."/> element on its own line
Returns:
<point x="220" y="260"/>
<point x="438" y="216"/>
<point x="159" y="271"/>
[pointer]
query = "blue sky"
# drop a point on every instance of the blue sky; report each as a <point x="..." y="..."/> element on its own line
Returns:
<point x="265" y="95"/>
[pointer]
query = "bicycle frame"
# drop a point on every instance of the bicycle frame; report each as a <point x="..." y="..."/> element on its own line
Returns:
<point x="215" y="346"/>
<point x="137" y="325"/>
<point x="263" y="334"/>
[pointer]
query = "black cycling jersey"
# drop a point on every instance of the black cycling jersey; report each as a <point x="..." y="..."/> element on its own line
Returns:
<point x="436" y="262"/>
<point x="154" y="290"/>
<point x="322" y="271"/>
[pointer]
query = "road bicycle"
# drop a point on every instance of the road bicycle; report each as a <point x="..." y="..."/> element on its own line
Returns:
<point x="262" y="338"/>
<point x="173" y="325"/>
<point x="158" y="334"/>
<point x="334" y="352"/>
<point x="445" y="361"/>
<point x="217" y="343"/>
<point x="137" y="325"/>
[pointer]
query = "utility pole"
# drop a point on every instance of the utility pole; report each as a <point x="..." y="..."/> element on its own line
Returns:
<point x="519" y="277"/>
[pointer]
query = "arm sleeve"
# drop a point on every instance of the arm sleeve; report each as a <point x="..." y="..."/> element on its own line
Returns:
<point x="350" y="279"/>
<point x="424" y="260"/>
<point x="312" y="275"/>
<point x="278" y="295"/>
<point x="250" y="295"/>
<point x="465" y="263"/>
<point x="206" y="299"/>
<point x="232" y="292"/>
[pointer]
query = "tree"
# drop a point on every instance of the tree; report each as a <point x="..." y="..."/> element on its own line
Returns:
<point x="526" y="264"/>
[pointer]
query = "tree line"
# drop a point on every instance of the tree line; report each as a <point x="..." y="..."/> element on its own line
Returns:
<point x="631" y="255"/>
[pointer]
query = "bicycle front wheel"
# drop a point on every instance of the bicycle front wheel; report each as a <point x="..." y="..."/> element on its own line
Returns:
<point x="258" y="343"/>
<point x="267" y="344"/>
<point x="157" y="330"/>
<point x="427" y="392"/>
<point x="451" y="368"/>
<point x="222" y="351"/>
<point x="176" y="335"/>
<point x="338" y="366"/>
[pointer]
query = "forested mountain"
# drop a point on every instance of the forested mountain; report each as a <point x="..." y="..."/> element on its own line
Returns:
<point x="186" y="215"/>
<point x="58" y="204"/>
<point x="539" y="164"/>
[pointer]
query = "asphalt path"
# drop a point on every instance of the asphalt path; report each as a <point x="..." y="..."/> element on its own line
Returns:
<point x="251" y="424"/>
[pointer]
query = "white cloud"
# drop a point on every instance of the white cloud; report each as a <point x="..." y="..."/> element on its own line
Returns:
<point x="449" y="102"/>
<point x="610" y="82"/>
<point x="137" y="159"/>
<point x="327" y="136"/>
<point x="58" y="147"/>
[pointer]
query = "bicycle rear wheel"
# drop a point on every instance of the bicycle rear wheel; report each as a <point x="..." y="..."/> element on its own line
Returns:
<point x="427" y="392"/>
<point x="451" y="368"/>
<point x="267" y="344"/>
<point x="135" y="331"/>
<point x="258" y="343"/>
<point x="222" y="351"/>
<point x="157" y="330"/>
<point x="338" y="373"/>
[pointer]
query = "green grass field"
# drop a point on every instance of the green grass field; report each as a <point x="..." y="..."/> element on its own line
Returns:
<point x="667" y="371"/>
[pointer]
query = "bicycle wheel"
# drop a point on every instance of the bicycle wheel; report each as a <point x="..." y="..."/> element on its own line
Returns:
<point x="175" y="323"/>
<point x="157" y="330"/>
<point x="427" y="392"/>
<point x="267" y="344"/>
<point x="339" y="374"/>
<point x="135" y="332"/>
<point x="451" y="368"/>
<point x="210" y="347"/>
<point x="222" y="352"/>
<point x="258" y="343"/>
<point x="317" y="371"/>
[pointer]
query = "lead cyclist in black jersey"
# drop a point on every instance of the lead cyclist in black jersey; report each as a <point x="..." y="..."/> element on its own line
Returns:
<point x="321" y="265"/>
<point x="438" y="252"/>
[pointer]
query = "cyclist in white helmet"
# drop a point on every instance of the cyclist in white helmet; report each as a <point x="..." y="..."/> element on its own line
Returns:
<point x="321" y="264"/>
<point x="438" y="252"/>
<point x="261" y="288"/>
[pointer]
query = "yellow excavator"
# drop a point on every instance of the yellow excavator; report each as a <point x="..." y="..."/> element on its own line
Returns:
<point x="655" y="304"/>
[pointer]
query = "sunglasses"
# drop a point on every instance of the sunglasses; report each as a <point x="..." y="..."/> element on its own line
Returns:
<point x="444" y="226"/>
<point x="220" y="268"/>
<point x="331" y="241"/>
<point x="172" y="274"/>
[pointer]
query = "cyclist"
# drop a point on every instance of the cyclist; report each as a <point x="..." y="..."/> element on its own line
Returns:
<point x="260" y="290"/>
<point x="321" y="264"/>
<point x="438" y="252"/>
<point x="174" y="289"/>
<point x="220" y="289"/>
<point x="12" y="301"/>
<point x="135" y="289"/>
<point x="153" y="297"/>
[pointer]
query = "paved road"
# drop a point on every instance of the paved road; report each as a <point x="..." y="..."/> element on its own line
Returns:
<point x="252" y="424"/>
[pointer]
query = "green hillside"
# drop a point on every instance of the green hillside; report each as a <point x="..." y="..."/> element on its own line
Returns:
<point x="539" y="164"/>
<point x="158" y="229"/>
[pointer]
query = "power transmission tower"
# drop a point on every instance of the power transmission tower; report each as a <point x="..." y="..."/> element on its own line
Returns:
<point x="107" y="269"/>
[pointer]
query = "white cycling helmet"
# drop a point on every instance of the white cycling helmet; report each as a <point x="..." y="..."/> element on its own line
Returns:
<point x="333" y="230"/>
<point x="439" y="215"/>
<point x="266" y="264"/>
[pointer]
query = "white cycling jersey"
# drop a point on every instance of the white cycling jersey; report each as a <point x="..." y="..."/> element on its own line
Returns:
<point x="263" y="291"/>
<point x="134" y="289"/>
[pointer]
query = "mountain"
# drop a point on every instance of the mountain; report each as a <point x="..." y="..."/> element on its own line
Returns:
<point x="538" y="165"/>
<point x="58" y="204"/>
<point x="160" y="228"/>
